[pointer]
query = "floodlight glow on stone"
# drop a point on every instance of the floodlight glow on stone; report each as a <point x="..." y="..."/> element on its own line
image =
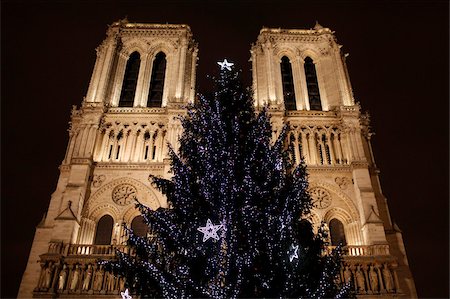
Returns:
<point x="125" y="295"/>
<point x="210" y="230"/>
<point x="225" y="65"/>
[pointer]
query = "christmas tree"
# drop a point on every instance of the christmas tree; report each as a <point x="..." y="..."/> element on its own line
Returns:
<point x="237" y="226"/>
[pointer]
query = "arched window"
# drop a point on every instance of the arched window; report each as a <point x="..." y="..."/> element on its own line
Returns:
<point x="130" y="80"/>
<point x="288" y="84"/>
<point x="104" y="229"/>
<point x="312" y="85"/>
<point x="337" y="233"/>
<point x="155" y="93"/>
<point x="139" y="227"/>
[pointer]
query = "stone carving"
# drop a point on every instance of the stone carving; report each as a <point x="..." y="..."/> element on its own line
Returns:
<point x="121" y="283"/>
<point x="87" y="278"/>
<point x="124" y="194"/>
<point x="347" y="275"/>
<point x="98" y="180"/>
<point x="62" y="278"/>
<point x="360" y="285"/>
<point x="373" y="279"/>
<point x="388" y="280"/>
<point x="48" y="275"/>
<point x="110" y="281"/>
<point x="75" y="278"/>
<point x="321" y="198"/>
<point x="342" y="182"/>
<point x="98" y="279"/>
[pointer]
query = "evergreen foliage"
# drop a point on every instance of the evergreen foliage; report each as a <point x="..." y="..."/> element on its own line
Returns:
<point x="228" y="170"/>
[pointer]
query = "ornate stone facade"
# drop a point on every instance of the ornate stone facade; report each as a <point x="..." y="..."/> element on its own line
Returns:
<point x="118" y="139"/>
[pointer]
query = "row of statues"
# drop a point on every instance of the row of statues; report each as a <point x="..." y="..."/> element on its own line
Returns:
<point x="370" y="279"/>
<point x="367" y="279"/>
<point x="74" y="278"/>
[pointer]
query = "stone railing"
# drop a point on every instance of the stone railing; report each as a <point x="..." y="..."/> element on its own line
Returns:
<point x="69" y="270"/>
<point x="363" y="250"/>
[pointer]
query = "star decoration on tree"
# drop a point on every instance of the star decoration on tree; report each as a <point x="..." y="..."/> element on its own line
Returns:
<point x="125" y="295"/>
<point x="210" y="230"/>
<point x="294" y="254"/>
<point x="225" y="65"/>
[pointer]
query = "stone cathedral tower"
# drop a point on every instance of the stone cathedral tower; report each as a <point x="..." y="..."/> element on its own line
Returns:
<point x="143" y="76"/>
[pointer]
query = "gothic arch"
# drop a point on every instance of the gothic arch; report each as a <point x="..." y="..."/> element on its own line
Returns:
<point x="101" y="199"/>
<point x="162" y="46"/>
<point x="351" y="210"/>
<point x="104" y="209"/>
<point x="130" y="213"/>
<point x="133" y="46"/>
<point x="313" y="54"/>
<point x="339" y="214"/>
<point x="289" y="52"/>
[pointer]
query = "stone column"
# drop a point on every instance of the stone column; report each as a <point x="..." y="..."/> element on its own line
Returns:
<point x="305" y="148"/>
<point x="193" y="75"/>
<point x="330" y="148"/>
<point x="312" y="148"/>
<point x="106" y="69"/>
<point x="70" y="147"/>
<point x="296" y="149"/>
<point x="295" y="64"/>
<point x="181" y="70"/>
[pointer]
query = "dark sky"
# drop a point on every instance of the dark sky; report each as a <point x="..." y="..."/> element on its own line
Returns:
<point x="398" y="67"/>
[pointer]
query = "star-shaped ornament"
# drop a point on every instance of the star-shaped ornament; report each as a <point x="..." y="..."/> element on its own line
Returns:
<point x="225" y="65"/>
<point x="210" y="230"/>
<point x="294" y="255"/>
<point x="125" y="295"/>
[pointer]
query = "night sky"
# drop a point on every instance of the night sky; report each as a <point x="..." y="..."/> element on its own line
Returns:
<point x="398" y="67"/>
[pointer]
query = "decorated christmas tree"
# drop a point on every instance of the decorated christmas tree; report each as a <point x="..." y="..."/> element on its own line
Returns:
<point x="238" y="224"/>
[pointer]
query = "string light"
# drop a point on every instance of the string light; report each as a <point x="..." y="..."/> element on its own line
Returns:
<point x="228" y="171"/>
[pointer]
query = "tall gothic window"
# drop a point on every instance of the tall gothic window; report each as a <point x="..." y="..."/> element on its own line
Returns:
<point x="104" y="229"/>
<point x="155" y="93"/>
<point x="288" y="84"/>
<point x="130" y="80"/>
<point x="312" y="85"/>
<point x="139" y="227"/>
<point x="337" y="233"/>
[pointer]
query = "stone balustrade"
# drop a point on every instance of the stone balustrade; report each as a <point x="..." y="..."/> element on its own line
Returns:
<point x="363" y="250"/>
<point x="71" y="269"/>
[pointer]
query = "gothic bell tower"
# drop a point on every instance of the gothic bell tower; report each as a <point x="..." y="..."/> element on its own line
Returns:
<point x="143" y="75"/>
<point x="302" y="77"/>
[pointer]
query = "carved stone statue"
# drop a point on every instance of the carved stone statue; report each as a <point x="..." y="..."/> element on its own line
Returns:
<point x="75" y="278"/>
<point x="98" y="279"/>
<point x="121" y="283"/>
<point x="62" y="278"/>
<point x="87" y="278"/>
<point x="110" y="281"/>
<point x="48" y="275"/>
<point x="373" y="279"/>
<point x="360" y="280"/>
<point x="347" y="275"/>
<point x="388" y="280"/>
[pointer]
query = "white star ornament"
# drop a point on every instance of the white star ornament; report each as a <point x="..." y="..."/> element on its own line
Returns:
<point x="225" y="65"/>
<point x="210" y="230"/>
<point x="295" y="254"/>
<point x="125" y="295"/>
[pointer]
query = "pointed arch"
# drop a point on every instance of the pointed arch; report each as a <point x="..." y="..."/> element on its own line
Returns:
<point x="287" y="81"/>
<point x="139" y="227"/>
<point x="337" y="232"/>
<point x="130" y="80"/>
<point x="103" y="231"/>
<point x="312" y="84"/>
<point x="156" y="89"/>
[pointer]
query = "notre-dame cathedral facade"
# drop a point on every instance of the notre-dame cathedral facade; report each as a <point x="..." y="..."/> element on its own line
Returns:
<point x="143" y="76"/>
